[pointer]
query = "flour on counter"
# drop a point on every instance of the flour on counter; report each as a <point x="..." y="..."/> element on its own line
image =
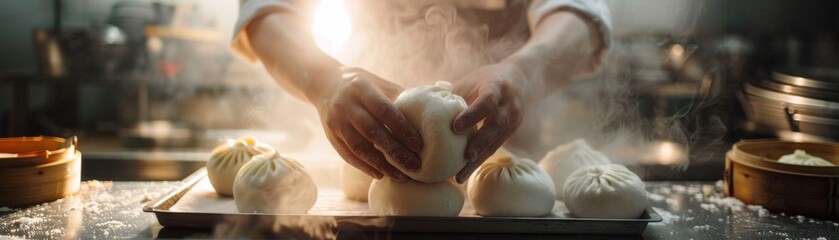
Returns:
<point x="655" y="197"/>
<point x="55" y="232"/>
<point x="702" y="227"/>
<point x="3" y="237"/>
<point x="96" y="211"/>
<point x="732" y="203"/>
<point x="666" y="216"/>
<point x="111" y="224"/>
<point x="709" y="207"/>
<point x="27" y="220"/>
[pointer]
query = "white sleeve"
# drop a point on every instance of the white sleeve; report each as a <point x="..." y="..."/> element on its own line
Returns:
<point x="593" y="11"/>
<point x="250" y="10"/>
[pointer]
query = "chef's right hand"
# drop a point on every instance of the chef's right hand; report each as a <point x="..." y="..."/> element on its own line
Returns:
<point x="362" y="124"/>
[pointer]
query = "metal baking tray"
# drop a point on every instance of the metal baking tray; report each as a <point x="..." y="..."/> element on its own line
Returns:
<point x="829" y="95"/>
<point x="810" y="77"/>
<point x="168" y="217"/>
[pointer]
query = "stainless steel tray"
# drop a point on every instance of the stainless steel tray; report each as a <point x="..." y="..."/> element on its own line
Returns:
<point x="811" y="77"/>
<point x="166" y="216"/>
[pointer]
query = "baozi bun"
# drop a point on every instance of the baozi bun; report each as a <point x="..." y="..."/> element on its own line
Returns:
<point x="354" y="182"/>
<point x="567" y="158"/>
<point x="511" y="187"/>
<point x="226" y="160"/>
<point x="412" y="198"/>
<point x="605" y="191"/>
<point x="800" y="157"/>
<point x="273" y="183"/>
<point x="431" y="110"/>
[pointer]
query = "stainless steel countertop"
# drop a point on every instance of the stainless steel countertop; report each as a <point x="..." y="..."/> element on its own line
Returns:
<point x="691" y="210"/>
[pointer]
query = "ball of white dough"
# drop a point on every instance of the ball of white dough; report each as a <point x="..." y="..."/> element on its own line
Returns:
<point x="511" y="187"/>
<point x="272" y="183"/>
<point x="354" y="182"/>
<point x="605" y="191"/>
<point x="431" y="110"/>
<point x="800" y="157"/>
<point x="567" y="158"/>
<point x="226" y="160"/>
<point x="412" y="198"/>
<point x="499" y="153"/>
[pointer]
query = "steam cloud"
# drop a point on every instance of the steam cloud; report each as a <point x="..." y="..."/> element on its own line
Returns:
<point x="413" y="44"/>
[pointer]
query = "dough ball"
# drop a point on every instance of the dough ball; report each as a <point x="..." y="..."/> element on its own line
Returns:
<point x="500" y="153"/>
<point x="228" y="158"/>
<point x="800" y="157"/>
<point x="412" y="198"/>
<point x="431" y="110"/>
<point x="605" y="191"/>
<point x="567" y="158"/>
<point x="272" y="183"/>
<point x="354" y="182"/>
<point x="511" y="187"/>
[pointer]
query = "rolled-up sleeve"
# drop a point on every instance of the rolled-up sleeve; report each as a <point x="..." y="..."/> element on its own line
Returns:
<point x="247" y="12"/>
<point x="593" y="11"/>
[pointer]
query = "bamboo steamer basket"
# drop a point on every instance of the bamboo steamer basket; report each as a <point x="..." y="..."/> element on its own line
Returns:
<point x="32" y="151"/>
<point x="37" y="175"/>
<point x="753" y="175"/>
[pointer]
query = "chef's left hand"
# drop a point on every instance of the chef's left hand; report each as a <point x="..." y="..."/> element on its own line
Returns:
<point x="495" y="94"/>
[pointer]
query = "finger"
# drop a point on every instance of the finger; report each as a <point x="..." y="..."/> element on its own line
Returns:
<point x="350" y="158"/>
<point x="492" y="130"/>
<point x="382" y="109"/>
<point x="490" y="137"/>
<point x="467" y="171"/>
<point x="474" y="164"/>
<point x="376" y="133"/>
<point x="484" y="105"/>
<point x="364" y="150"/>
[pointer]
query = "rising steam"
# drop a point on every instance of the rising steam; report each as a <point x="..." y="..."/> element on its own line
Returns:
<point x="420" y="42"/>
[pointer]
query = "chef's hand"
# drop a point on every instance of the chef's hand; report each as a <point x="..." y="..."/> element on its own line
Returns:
<point x="495" y="94"/>
<point x="363" y="125"/>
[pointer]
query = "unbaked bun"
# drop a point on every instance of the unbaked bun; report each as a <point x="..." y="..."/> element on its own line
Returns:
<point x="354" y="182"/>
<point x="800" y="157"/>
<point x="431" y="110"/>
<point x="412" y="198"/>
<point x="226" y="160"/>
<point x="605" y="191"/>
<point x="567" y="158"/>
<point x="273" y="183"/>
<point x="511" y="187"/>
<point x="499" y="153"/>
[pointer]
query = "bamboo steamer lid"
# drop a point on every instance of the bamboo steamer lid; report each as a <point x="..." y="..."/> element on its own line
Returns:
<point x="754" y="176"/>
<point x="33" y="151"/>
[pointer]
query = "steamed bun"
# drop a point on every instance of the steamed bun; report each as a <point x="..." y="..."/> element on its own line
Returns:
<point x="511" y="187"/>
<point x="412" y="198"/>
<point x="354" y="182"/>
<point x="800" y="157"/>
<point x="431" y="109"/>
<point x="605" y="191"/>
<point x="567" y="158"/>
<point x="272" y="183"/>
<point x="226" y="160"/>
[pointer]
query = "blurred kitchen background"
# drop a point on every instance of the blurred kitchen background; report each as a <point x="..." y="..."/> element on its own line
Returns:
<point x="151" y="86"/>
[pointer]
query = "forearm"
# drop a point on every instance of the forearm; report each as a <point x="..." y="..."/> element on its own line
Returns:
<point x="289" y="53"/>
<point x="562" y="48"/>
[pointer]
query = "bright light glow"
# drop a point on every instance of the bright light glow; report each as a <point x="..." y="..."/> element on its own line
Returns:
<point x="669" y="153"/>
<point x="331" y="26"/>
<point x="677" y="50"/>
